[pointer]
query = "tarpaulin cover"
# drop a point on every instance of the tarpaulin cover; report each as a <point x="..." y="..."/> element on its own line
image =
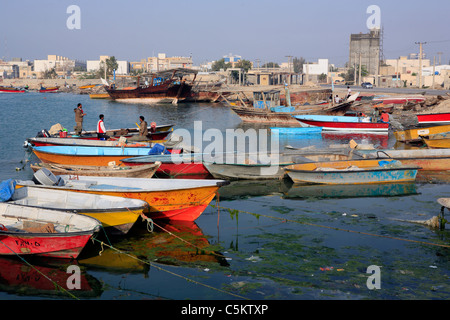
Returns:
<point x="7" y="189"/>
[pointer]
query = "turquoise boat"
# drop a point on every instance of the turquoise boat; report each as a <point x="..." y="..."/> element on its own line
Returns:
<point x="295" y="131"/>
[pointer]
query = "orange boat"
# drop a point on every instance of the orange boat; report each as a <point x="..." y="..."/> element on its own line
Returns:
<point x="170" y="199"/>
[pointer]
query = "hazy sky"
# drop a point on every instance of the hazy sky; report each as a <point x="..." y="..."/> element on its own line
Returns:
<point x="209" y="29"/>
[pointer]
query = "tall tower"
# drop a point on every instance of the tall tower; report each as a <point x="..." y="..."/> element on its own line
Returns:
<point x="366" y="47"/>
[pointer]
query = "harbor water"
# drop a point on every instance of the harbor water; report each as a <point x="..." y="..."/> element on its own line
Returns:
<point x="256" y="241"/>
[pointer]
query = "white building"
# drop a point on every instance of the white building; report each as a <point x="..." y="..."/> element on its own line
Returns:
<point x="321" y="67"/>
<point x="95" y="65"/>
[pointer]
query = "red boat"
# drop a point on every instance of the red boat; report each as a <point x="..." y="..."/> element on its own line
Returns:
<point x="398" y="100"/>
<point x="172" y="169"/>
<point x="434" y="118"/>
<point x="343" y="124"/>
<point x="40" y="232"/>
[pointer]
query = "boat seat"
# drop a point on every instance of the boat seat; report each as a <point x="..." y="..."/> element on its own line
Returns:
<point x="80" y="184"/>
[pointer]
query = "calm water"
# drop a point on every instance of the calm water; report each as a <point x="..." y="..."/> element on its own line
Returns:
<point x="264" y="241"/>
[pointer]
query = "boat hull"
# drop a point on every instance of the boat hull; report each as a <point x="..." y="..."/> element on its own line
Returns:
<point x="437" y="143"/>
<point x="344" y="126"/>
<point x="434" y="118"/>
<point x="414" y="134"/>
<point x="245" y="171"/>
<point x="336" y="173"/>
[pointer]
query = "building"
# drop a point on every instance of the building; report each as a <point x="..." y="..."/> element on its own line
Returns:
<point x="365" y="50"/>
<point x="162" y="62"/>
<point x="63" y="66"/>
<point x="233" y="59"/>
<point x="16" y="68"/>
<point x="123" y="67"/>
<point x="312" y="71"/>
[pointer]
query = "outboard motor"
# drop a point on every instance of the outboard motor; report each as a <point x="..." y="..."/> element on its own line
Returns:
<point x="46" y="177"/>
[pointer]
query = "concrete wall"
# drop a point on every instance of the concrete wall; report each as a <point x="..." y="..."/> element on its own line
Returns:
<point x="368" y="44"/>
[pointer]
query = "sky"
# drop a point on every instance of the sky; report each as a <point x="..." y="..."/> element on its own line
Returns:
<point x="207" y="30"/>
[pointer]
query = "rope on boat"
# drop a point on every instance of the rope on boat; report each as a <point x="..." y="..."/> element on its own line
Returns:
<point x="173" y="273"/>
<point x="38" y="271"/>
<point x="150" y="223"/>
<point x="340" y="229"/>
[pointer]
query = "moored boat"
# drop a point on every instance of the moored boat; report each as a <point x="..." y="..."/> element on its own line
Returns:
<point x="49" y="89"/>
<point x="296" y="130"/>
<point x="171" y="199"/>
<point x="11" y="89"/>
<point x="434" y="118"/>
<point x="414" y="134"/>
<point x="352" y="172"/>
<point x="342" y="123"/>
<point x="144" y="171"/>
<point x="41" y="232"/>
<point x="91" y="156"/>
<point x="437" y="142"/>
<point x="117" y="214"/>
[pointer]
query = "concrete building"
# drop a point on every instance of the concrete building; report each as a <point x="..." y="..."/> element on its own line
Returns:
<point x="233" y="59"/>
<point x="312" y="71"/>
<point x="63" y="66"/>
<point x="94" y="65"/>
<point x="162" y="62"/>
<point x="365" y="50"/>
<point x="16" y="68"/>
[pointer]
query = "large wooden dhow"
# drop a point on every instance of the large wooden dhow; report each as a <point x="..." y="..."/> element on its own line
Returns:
<point x="170" y="199"/>
<point x="162" y="87"/>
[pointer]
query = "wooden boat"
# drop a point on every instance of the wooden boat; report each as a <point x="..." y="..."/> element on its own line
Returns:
<point x="90" y="156"/>
<point x="144" y="171"/>
<point x="184" y="165"/>
<point x="42" y="232"/>
<point x="296" y="130"/>
<point x="157" y="136"/>
<point x="398" y="99"/>
<point x="414" y="134"/>
<point x="436" y="142"/>
<point x="164" y="86"/>
<point x="117" y="214"/>
<point x="266" y="108"/>
<point x="88" y="86"/>
<point x="434" y="118"/>
<point x="302" y="191"/>
<point x="11" y="90"/>
<point x="428" y="160"/>
<point x="49" y="89"/>
<point x="342" y="123"/>
<point x="99" y="96"/>
<point x="352" y="172"/>
<point x="171" y="199"/>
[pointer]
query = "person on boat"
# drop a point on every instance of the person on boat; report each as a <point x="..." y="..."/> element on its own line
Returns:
<point x="143" y="131"/>
<point x="153" y="127"/>
<point x="337" y="99"/>
<point x="375" y="115"/>
<point x="349" y="92"/>
<point x="79" y="115"/>
<point x="384" y="117"/>
<point x="101" y="130"/>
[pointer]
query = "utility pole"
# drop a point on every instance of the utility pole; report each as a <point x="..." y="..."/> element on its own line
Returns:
<point x="420" y="62"/>
<point x="439" y="54"/>
<point x="359" y="78"/>
<point x="354" y="67"/>
<point x="434" y="70"/>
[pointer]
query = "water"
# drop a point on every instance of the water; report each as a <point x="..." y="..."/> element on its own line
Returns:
<point x="262" y="241"/>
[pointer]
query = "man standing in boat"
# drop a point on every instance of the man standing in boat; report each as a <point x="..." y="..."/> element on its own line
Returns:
<point x="101" y="130"/>
<point x="143" y="131"/>
<point x="79" y="114"/>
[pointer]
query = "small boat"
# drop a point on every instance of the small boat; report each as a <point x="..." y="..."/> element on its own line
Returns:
<point x="11" y="90"/>
<point x="37" y="231"/>
<point x="183" y="165"/>
<point x="296" y="130"/>
<point x="437" y="141"/>
<point x="171" y="199"/>
<point x="342" y="123"/>
<point x="427" y="159"/>
<point x="99" y="96"/>
<point x="90" y="156"/>
<point x="352" y="172"/>
<point x="414" y="134"/>
<point x="398" y="100"/>
<point x="434" y="118"/>
<point x="117" y="214"/>
<point x="49" y="89"/>
<point x="144" y="171"/>
<point x="88" y="86"/>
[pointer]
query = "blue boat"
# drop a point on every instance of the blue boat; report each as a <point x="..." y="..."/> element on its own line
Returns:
<point x="296" y="131"/>
<point x="326" y="118"/>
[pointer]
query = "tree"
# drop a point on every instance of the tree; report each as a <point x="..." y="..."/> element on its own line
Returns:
<point x="271" y="65"/>
<point x="298" y="64"/>
<point x="220" y="64"/>
<point x="244" y="64"/>
<point x="50" y="74"/>
<point x="350" y="75"/>
<point x="323" y="77"/>
<point x="111" y="64"/>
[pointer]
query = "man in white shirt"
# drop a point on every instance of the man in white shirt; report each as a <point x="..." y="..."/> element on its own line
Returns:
<point x="101" y="131"/>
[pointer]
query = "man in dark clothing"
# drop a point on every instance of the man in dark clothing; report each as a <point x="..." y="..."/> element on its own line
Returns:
<point x="79" y="114"/>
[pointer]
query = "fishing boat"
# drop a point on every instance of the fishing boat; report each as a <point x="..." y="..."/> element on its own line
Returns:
<point x="37" y="231"/>
<point x="170" y="199"/>
<point x="352" y="172"/>
<point x="99" y="96"/>
<point x="144" y="171"/>
<point x="90" y="156"/>
<point x="342" y="123"/>
<point x="49" y="89"/>
<point x="125" y="131"/>
<point x="414" y="134"/>
<point x="183" y="165"/>
<point x="398" y="99"/>
<point x="266" y="108"/>
<point x="296" y="130"/>
<point x="427" y="159"/>
<point x="434" y="118"/>
<point x="441" y="140"/>
<point x="11" y="89"/>
<point x="117" y="214"/>
<point x="162" y="87"/>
